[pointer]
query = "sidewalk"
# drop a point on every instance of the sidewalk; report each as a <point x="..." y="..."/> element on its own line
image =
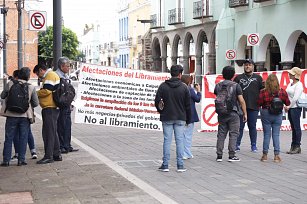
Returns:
<point x="79" y="178"/>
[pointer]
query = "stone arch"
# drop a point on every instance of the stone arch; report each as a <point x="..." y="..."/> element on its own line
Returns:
<point x="200" y="55"/>
<point x="156" y="55"/>
<point x="290" y="46"/>
<point x="263" y="46"/>
<point x="212" y="54"/>
<point x="165" y="54"/>
<point x="241" y="48"/>
<point x="186" y="52"/>
<point x="175" y="49"/>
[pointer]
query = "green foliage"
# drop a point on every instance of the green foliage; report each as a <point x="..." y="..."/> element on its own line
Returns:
<point x="45" y="45"/>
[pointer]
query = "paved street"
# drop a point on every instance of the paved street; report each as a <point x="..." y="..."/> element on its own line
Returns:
<point x="118" y="165"/>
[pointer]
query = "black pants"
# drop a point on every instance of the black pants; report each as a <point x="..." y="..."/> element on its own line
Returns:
<point x="64" y="128"/>
<point x="49" y="132"/>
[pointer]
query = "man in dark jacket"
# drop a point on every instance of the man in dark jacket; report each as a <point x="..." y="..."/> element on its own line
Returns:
<point x="173" y="103"/>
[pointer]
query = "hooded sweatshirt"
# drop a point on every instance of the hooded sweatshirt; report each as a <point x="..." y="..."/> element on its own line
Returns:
<point x="176" y="98"/>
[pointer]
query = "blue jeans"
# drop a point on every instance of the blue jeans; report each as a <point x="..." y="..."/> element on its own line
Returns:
<point x="30" y="142"/>
<point x="294" y="116"/>
<point x="176" y="126"/>
<point x="64" y="128"/>
<point x="271" y="126"/>
<point x="187" y="142"/>
<point x="16" y="126"/>
<point x="252" y="116"/>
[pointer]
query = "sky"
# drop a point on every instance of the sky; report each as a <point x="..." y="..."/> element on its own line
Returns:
<point x="77" y="13"/>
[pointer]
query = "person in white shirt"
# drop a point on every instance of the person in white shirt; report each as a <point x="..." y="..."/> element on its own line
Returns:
<point x="295" y="90"/>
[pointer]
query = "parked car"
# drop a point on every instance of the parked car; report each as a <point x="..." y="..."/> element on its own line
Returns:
<point x="75" y="75"/>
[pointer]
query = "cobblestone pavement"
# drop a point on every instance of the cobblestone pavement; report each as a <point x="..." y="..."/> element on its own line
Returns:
<point x="119" y="165"/>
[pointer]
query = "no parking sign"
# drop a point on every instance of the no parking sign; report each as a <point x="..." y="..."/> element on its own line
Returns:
<point x="253" y="39"/>
<point x="38" y="20"/>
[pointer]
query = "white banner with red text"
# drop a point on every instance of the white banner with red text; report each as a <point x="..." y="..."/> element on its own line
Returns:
<point x="209" y="117"/>
<point x="118" y="97"/>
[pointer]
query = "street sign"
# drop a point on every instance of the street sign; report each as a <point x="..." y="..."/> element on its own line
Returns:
<point x="231" y="54"/>
<point x="253" y="39"/>
<point x="38" y="20"/>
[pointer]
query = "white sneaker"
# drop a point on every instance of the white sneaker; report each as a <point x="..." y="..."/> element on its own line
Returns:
<point x="34" y="155"/>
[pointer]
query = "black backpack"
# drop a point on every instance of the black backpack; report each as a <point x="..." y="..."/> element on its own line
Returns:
<point x="64" y="94"/>
<point x="18" y="97"/>
<point x="276" y="106"/>
<point x="224" y="103"/>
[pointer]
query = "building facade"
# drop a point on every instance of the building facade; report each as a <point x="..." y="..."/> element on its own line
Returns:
<point x="198" y="34"/>
<point x="123" y="44"/>
<point x="278" y="28"/>
<point x="138" y="31"/>
<point x="29" y="39"/>
<point x="90" y="43"/>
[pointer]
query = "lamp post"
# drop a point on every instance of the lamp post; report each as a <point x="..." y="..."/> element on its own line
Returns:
<point x="4" y="12"/>
<point x="19" y="33"/>
<point x="57" y="32"/>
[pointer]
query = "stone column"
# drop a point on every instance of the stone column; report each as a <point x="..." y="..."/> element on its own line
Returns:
<point x="174" y="60"/>
<point x="285" y="65"/>
<point x="185" y="63"/>
<point x="164" y="65"/>
<point x="198" y="69"/>
<point x="211" y="63"/>
<point x="259" y="66"/>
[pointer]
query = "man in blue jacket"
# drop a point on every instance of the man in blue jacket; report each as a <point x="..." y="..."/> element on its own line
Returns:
<point x="173" y="103"/>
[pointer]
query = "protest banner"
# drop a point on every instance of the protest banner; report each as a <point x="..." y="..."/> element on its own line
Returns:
<point x="209" y="117"/>
<point x="118" y="97"/>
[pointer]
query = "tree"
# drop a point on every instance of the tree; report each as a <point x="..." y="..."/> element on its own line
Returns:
<point x="45" y="45"/>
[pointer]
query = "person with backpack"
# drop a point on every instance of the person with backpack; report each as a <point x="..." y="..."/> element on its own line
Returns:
<point x="295" y="91"/>
<point x="251" y="85"/>
<point x="31" y="141"/>
<point x="188" y="130"/>
<point x="50" y="113"/>
<point x="64" y="120"/>
<point x="20" y="98"/>
<point x="271" y="101"/>
<point x="172" y="101"/>
<point x="229" y="105"/>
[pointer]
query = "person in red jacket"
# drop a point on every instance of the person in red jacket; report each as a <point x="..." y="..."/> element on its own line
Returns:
<point x="271" y="122"/>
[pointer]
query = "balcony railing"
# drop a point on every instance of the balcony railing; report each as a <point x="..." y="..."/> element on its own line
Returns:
<point x="237" y="3"/>
<point x="175" y="16"/>
<point x="155" y="21"/>
<point x="201" y="9"/>
<point x="259" y="1"/>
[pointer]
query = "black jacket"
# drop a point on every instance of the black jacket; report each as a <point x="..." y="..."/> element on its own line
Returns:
<point x="176" y="98"/>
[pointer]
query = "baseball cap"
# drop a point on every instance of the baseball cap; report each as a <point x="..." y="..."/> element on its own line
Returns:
<point x="249" y="61"/>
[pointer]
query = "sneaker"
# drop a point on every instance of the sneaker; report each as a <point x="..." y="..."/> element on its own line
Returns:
<point x="254" y="149"/>
<point x="34" y="155"/>
<point x="181" y="169"/>
<point x="185" y="158"/>
<point x="15" y="157"/>
<point x="233" y="159"/>
<point x="163" y="168"/>
<point x="219" y="159"/>
<point x="238" y="149"/>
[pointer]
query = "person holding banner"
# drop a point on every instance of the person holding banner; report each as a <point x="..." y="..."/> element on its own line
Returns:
<point x="295" y="90"/>
<point x="188" y="131"/>
<point x="251" y="85"/>
<point x="271" y="121"/>
<point x="230" y="121"/>
<point x="173" y="103"/>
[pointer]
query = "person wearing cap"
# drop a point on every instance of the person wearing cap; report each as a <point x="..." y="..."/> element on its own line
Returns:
<point x="172" y="101"/>
<point x="295" y="90"/>
<point x="251" y="85"/>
